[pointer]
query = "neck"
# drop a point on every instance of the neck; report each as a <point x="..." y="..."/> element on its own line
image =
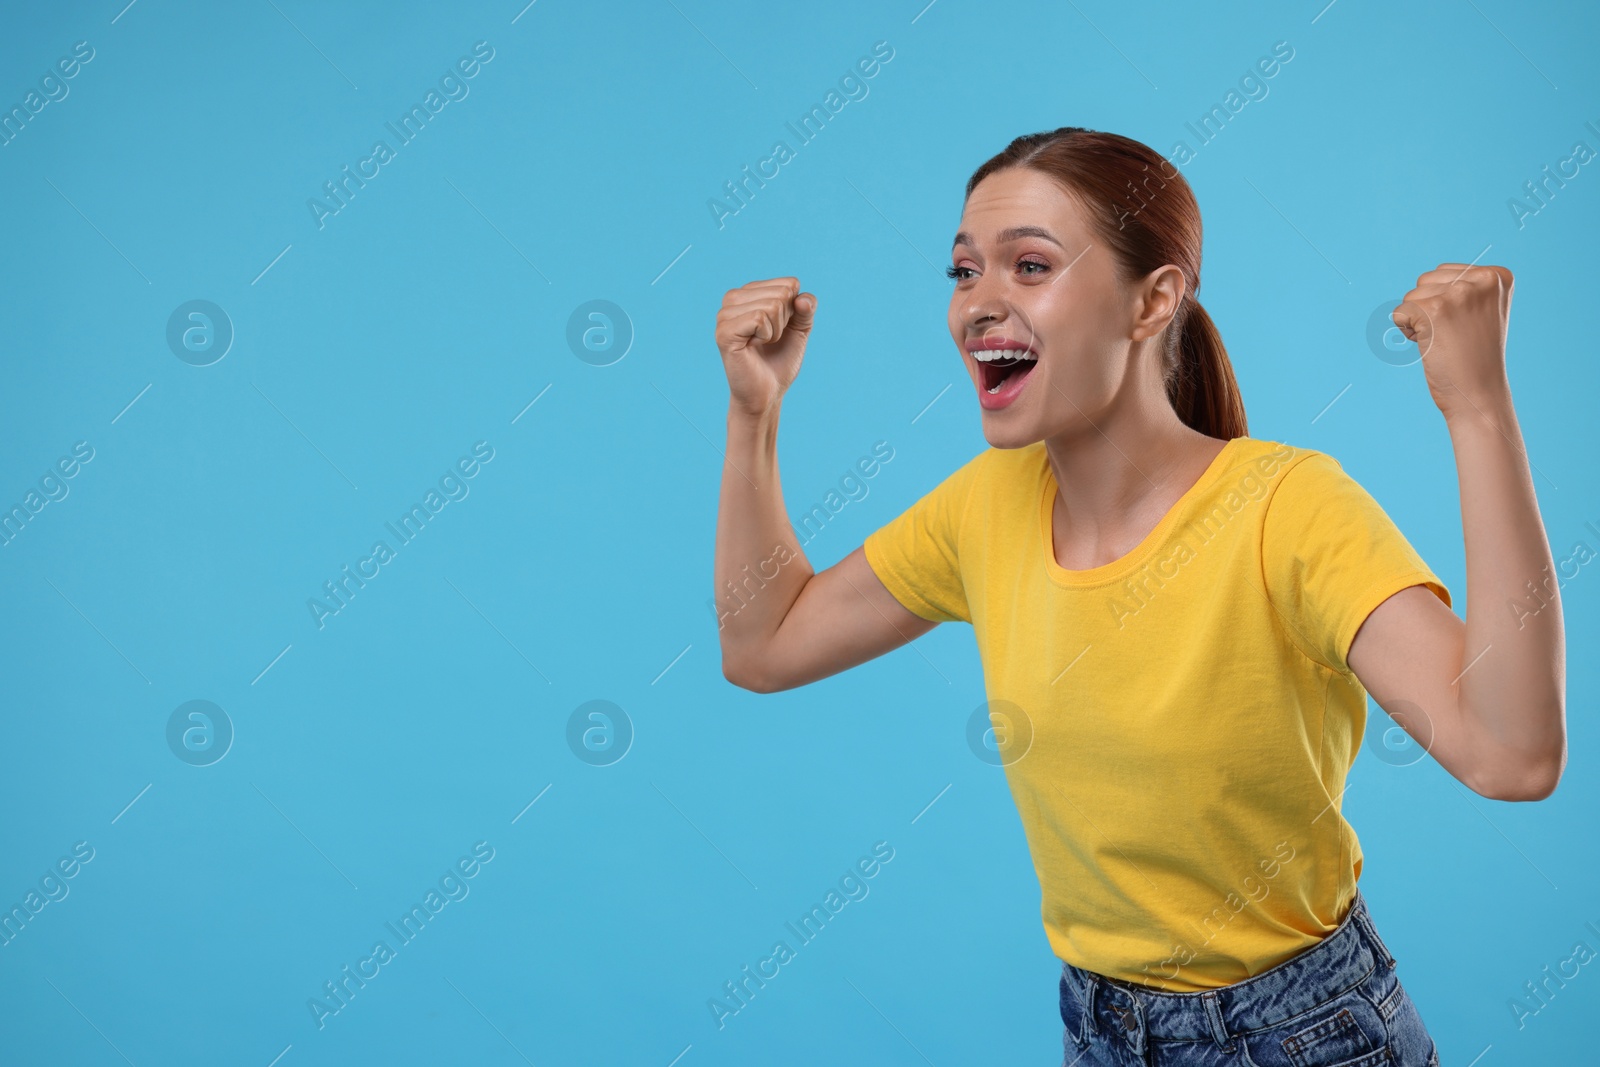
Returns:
<point x="1117" y="479"/>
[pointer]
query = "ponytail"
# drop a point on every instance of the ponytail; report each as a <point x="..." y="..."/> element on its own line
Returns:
<point x="1201" y="387"/>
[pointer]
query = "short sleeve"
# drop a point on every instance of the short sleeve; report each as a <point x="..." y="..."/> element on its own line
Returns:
<point x="1330" y="555"/>
<point x="917" y="554"/>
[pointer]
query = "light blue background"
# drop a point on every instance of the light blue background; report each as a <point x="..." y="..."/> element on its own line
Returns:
<point x="427" y="314"/>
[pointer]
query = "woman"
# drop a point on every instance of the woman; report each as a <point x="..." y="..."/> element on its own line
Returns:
<point x="1178" y="624"/>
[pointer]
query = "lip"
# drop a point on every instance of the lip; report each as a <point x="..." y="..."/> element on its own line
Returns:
<point x="1013" y="386"/>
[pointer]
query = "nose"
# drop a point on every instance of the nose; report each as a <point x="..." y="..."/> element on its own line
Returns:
<point x="983" y="304"/>
<point x="986" y="318"/>
<point x="982" y="310"/>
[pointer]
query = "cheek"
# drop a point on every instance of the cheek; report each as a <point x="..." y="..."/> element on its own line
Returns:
<point x="1083" y="318"/>
<point x="1064" y="327"/>
<point x="1089" y="369"/>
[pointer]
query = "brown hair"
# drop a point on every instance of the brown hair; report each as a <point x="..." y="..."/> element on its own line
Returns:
<point x="1145" y="212"/>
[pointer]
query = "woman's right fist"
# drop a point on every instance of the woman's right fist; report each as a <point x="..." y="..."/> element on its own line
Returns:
<point x="761" y="333"/>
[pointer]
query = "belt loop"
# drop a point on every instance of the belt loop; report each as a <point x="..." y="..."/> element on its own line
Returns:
<point x="1219" y="1032"/>
<point x="1089" y="1024"/>
<point x="1140" y="1036"/>
<point x="1364" y="918"/>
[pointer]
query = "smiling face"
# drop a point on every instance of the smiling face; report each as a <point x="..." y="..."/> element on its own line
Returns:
<point x="1035" y="287"/>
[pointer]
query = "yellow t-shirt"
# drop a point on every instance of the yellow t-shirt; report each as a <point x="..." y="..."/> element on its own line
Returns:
<point x="1176" y="726"/>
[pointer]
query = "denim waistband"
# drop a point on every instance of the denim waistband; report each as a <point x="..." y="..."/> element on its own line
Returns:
<point x="1339" y="962"/>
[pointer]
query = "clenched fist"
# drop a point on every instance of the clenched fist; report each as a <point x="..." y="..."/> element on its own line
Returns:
<point x="761" y="333"/>
<point x="1458" y="315"/>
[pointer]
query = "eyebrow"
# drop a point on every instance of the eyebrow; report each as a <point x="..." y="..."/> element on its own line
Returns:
<point x="965" y="238"/>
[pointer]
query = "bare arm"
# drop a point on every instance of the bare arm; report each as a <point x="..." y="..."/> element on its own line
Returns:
<point x="1487" y="697"/>
<point x="782" y="625"/>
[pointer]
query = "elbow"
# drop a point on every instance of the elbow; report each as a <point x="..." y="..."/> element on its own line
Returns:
<point x="740" y="674"/>
<point x="1544" y="783"/>
<point x="1524" y="790"/>
<point x="1527" y="771"/>
<point x="1533" y="783"/>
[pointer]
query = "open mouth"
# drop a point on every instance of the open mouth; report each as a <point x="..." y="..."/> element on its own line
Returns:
<point x="1000" y="367"/>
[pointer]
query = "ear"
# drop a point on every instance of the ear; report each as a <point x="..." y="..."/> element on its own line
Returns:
<point x="1157" y="300"/>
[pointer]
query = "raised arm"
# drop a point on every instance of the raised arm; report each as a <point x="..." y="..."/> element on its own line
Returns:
<point x="1487" y="697"/>
<point x="781" y="624"/>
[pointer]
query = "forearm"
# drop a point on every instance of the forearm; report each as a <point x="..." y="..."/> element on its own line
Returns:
<point x="760" y="569"/>
<point x="1513" y="682"/>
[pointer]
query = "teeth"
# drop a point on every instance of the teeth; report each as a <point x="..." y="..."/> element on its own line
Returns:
<point x="992" y="354"/>
<point x="996" y="389"/>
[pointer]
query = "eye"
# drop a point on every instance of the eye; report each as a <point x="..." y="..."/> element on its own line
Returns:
<point x="961" y="274"/>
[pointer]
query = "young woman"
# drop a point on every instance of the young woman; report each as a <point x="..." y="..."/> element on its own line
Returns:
<point x="1179" y="624"/>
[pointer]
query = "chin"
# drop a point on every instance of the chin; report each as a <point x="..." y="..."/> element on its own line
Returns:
<point x="1000" y="435"/>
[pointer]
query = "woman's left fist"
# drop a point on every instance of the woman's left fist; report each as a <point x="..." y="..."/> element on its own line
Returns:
<point x="1457" y="315"/>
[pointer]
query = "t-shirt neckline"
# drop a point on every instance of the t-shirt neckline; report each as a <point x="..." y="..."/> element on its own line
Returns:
<point x="1135" y="556"/>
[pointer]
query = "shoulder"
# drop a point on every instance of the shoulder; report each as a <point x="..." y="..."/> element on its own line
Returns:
<point x="999" y="470"/>
<point x="1305" y="477"/>
<point x="997" y="488"/>
<point x="1005" y="477"/>
<point x="1281" y="471"/>
<point x="1010" y="463"/>
<point x="1315" y="501"/>
<point x="1269" y="458"/>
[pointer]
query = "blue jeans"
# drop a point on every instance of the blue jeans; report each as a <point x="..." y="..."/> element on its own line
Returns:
<point x="1337" y="1004"/>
